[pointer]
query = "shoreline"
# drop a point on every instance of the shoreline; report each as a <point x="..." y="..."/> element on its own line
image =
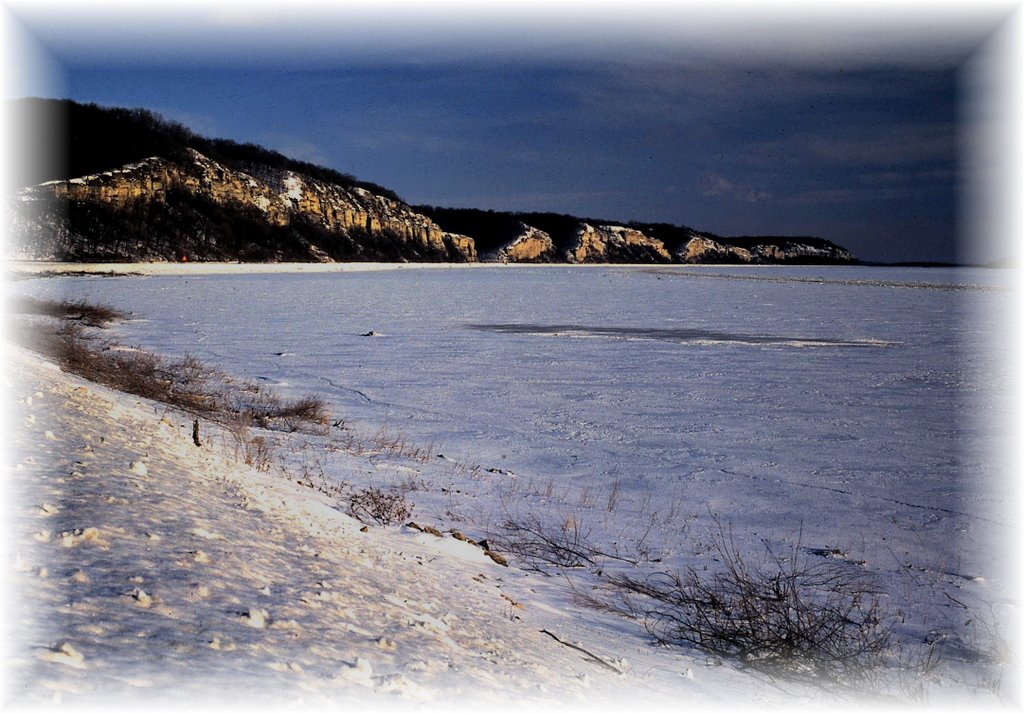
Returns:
<point x="147" y="567"/>
<point x="34" y="268"/>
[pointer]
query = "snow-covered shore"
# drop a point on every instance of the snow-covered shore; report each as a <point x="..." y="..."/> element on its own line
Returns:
<point x="259" y="588"/>
<point x="147" y="569"/>
<point x="40" y="268"/>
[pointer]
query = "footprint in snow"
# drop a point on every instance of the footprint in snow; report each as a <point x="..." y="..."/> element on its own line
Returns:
<point x="280" y="666"/>
<point x="205" y="534"/>
<point x="80" y="535"/>
<point x="197" y="592"/>
<point x="141" y="598"/>
<point x="256" y="618"/>
<point x="404" y="688"/>
<point x="360" y="672"/>
<point x="65" y="654"/>
<point x="219" y="645"/>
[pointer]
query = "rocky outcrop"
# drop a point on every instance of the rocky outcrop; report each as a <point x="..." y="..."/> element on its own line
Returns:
<point x="614" y="243"/>
<point x="801" y="252"/>
<point x="531" y="245"/>
<point x="703" y="250"/>
<point x="318" y="221"/>
<point x="281" y="198"/>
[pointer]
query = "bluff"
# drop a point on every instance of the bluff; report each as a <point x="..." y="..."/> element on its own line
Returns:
<point x="127" y="185"/>
<point x="553" y="237"/>
<point x="198" y="208"/>
<point x="761" y="250"/>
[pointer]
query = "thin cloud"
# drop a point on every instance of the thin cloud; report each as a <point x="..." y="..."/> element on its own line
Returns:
<point x="713" y="185"/>
<point x="845" y="195"/>
<point x="904" y="144"/>
<point x="699" y="90"/>
<point x="296" y="148"/>
<point x="555" y="201"/>
<point x="399" y="138"/>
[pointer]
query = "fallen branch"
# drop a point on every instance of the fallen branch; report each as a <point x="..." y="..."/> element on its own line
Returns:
<point x="591" y="656"/>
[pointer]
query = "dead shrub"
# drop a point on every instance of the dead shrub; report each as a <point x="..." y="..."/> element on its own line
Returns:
<point x="782" y="615"/>
<point x="268" y="410"/>
<point x="378" y="506"/>
<point x="304" y="409"/>
<point x="187" y="383"/>
<point x="560" y="542"/>
<point x="92" y="315"/>
<point x="252" y="450"/>
<point x="541" y="545"/>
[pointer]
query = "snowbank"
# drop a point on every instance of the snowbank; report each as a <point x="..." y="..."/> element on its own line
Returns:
<point x="149" y="569"/>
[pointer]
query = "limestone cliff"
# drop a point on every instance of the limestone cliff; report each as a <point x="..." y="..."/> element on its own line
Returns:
<point x="554" y="237"/>
<point x="700" y="249"/>
<point x="329" y="220"/>
<point x="614" y="243"/>
<point x="531" y="245"/>
<point x="800" y="252"/>
<point x="705" y="250"/>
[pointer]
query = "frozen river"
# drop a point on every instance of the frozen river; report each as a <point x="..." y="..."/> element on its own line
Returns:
<point x="858" y="413"/>
<point x="848" y="402"/>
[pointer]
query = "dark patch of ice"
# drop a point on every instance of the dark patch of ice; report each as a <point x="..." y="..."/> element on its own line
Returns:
<point x="678" y="335"/>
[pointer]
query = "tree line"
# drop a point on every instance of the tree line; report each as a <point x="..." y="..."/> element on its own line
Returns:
<point x="63" y="139"/>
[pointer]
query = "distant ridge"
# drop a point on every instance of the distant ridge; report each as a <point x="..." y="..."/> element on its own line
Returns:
<point x="114" y="184"/>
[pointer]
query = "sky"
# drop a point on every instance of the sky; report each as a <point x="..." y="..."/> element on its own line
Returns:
<point x="870" y="126"/>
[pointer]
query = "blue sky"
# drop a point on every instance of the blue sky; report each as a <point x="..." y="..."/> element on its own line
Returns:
<point x="772" y="125"/>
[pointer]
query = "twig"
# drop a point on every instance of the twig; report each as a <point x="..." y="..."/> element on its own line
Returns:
<point x="956" y="601"/>
<point x="592" y="656"/>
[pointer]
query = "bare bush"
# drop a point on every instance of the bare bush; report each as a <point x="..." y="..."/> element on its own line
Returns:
<point x="562" y="543"/>
<point x="268" y="410"/>
<point x="783" y="615"/>
<point x="81" y="311"/>
<point x="304" y="409"/>
<point x="378" y="506"/>
<point x="542" y="545"/>
<point x="187" y="383"/>
<point x="252" y="450"/>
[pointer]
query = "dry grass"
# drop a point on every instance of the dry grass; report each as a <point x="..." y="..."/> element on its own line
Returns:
<point x="81" y="311"/>
<point x="252" y="450"/>
<point x="784" y="615"/>
<point x="187" y="384"/>
<point x="265" y="409"/>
